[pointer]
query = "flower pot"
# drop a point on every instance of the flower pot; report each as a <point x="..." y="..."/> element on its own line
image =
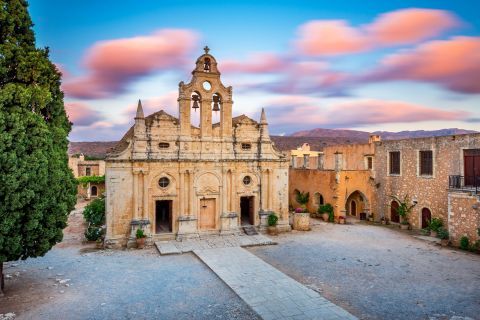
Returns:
<point x="444" y="242"/>
<point x="325" y="217"/>
<point x="140" y="243"/>
<point x="272" y="230"/>
<point x="433" y="233"/>
<point x="404" y="226"/>
<point x="301" y="221"/>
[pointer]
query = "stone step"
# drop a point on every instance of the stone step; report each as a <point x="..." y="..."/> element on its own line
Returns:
<point x="250" y="230"/>
<point x="167" y="247"/>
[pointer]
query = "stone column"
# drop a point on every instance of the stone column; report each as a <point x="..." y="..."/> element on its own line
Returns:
<point x="135" y="196"/>
<point x="145" y="196"/>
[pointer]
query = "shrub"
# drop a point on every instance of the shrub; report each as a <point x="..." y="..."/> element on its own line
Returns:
<point x="302" y="198"/>
<point x="442" y="233"/>
<point x="325" y="208"/>
<point x="435" y="224"/>
<point x="464" y="243"/>
<point x="331" y="217"/>
<point x="94" y="212"/>
<point x="272" y="220"/>
<point x="140" y="234"/>
<point x="94" y="233"/>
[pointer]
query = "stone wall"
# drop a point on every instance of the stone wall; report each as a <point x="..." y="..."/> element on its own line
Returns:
<point x="463" y="216"/>
<point x="428" y="191"/>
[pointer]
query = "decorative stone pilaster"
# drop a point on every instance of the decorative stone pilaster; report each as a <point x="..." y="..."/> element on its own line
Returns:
<point x="263" y="215"/>
<point x="229" y="223"/>
<point x="187" y="227"/>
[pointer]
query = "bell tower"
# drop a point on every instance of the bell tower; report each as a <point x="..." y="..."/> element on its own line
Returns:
<point x="207" y="93"/>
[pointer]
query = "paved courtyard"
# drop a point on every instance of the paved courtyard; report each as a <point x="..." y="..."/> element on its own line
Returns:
<point x="379" y="273"/>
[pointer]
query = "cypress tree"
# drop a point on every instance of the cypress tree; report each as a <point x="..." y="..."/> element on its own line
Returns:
<point x="37" y="189"/>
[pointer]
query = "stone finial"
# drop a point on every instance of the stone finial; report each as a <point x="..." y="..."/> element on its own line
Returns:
<point x="263" y="117"/>
<point x="206" y="49"/>
<point x="139" y="114"/>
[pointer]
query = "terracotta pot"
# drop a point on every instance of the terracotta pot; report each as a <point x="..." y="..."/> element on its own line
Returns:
<point x="433" y="233"/>
<point x="444" y="242"/>
<point x="404" y="226"/>
<point x="140" y="243"/>
<point x="325" y="217"/>
<point x="272" y="230"/>
<point x="301" y="221"/>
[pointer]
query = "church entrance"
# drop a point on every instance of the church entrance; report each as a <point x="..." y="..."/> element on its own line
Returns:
<point x="163" y="216"/>
<point x="246" y="210"/>
<point x="207" y="214"/>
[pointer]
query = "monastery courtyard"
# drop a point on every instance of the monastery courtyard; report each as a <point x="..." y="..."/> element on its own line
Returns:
<point x="399" y="277"/>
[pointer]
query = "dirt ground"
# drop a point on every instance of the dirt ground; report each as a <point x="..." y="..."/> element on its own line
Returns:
<point x="379" y="273"/>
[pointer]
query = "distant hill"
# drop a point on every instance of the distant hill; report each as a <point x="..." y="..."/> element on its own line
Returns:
<point x="96" y="149"/>
<point x="285" y="143"/>
<point x="385" y="135"/>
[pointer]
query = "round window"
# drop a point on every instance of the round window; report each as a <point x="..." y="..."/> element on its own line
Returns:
<point x="163" y="182"/>
<point x="206" y="85"/>
<point x="247" y="180"/>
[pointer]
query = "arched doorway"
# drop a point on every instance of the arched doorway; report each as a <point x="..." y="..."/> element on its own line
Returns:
<point x="94" y="191"/>
<point x="426" y="217"/>
<point x="353" y="208"/>
<point x="357" y="205"/>
<point x="394" y="217"/>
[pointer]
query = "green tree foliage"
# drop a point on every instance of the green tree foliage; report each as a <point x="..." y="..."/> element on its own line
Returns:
<point x="94" y="214"/>
<point x="37" y="189"/>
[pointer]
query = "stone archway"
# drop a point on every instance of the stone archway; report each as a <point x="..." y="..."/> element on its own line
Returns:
<point x="357" y="205"/>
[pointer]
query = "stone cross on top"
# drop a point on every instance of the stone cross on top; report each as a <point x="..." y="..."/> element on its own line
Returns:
<point x="206" y="49"/>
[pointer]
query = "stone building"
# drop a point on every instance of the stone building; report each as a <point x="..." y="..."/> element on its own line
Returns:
<point x="82" y="167"/>
<point x="342" y="175"/>
<point x="174" y="179"/>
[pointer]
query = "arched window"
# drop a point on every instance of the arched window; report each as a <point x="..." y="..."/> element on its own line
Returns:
<point x="94" y="191"/>
<point x="206" y="65"/>
<point x="318" y="199"/>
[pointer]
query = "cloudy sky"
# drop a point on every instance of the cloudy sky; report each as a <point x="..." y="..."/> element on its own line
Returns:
<point x="366" y="65"/>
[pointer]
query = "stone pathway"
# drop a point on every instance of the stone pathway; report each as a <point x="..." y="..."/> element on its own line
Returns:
<point x="211" y="242"/>
<point x="271" y="293"/>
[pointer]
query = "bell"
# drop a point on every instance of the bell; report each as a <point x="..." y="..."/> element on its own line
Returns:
<point x="216" y="105"/>
<point x="195" y="102"/>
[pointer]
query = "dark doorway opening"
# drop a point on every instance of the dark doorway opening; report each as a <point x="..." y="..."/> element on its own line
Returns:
<point x="426" y="217"/>
<point x="394" y="216"/>
<point x="353" y="208"/>
<point x="246" y="209"/>
<point x="94" y="191"/>
<point x="163" y="216"/>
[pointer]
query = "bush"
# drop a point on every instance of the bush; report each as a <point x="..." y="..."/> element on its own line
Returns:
<point x="435" y="224"/>
<point x="93" y="233"/>
<point x="331" y="217"/>
<point x="140" y="234"/>
<point x="272" y="220"/>
<point x="442" y="233"/>
<point x="94" y="212"/>
<point x="325" y="208"/>
<point x="464" y="243"/>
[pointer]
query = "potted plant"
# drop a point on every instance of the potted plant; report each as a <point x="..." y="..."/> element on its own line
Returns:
<point x="141" y="236"/>
<point x="434" y="225"/>
<point x="301" y="219"/>
<point x="99" y="243"/>
<point x="272" y="224"/>
<point x="404" y="210"/>
<point x="341" y="219"/>
<point x="325" y="210"/>
<point x="443" y="235"/>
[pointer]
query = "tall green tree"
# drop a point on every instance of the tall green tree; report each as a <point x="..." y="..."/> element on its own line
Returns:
<point x="37" y="189"/>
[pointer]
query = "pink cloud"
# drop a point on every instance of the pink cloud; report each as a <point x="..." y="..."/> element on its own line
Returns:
<point x="80" y="114"/>
<point x="112" y="64"/>
<point x="453" y="63"/>
<point x="310" y="112"/>
<point x="256" y="63"/>
<point x="167" y="102"/>
<point x="407" y="26"/>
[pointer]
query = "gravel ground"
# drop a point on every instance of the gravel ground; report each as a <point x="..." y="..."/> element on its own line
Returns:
<point x="379" y="273"/>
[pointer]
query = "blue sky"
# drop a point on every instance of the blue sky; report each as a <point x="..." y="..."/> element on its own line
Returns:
<point x="396" y="65"/>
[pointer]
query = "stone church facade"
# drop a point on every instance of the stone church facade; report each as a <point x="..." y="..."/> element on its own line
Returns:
<point x="174" y="179"/>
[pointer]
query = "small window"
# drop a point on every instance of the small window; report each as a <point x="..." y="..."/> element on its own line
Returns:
<point x="163" y="182"/>
<point x="246" y="146"/>
<point x="88" y="171"/>
<point x="164" y="145"/>
<point x="247" y="180"/>
<point x="426" y="163"/>
<point x="395" y="162"/>
<point x="369" y="163"/>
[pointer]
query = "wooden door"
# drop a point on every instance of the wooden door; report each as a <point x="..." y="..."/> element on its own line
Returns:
<point x="426" y="217"/>
<point x="394" y="217"/>
<point x="207" y="214"/>
<point x="471" y="166"/>
<point x="353" y="208"/>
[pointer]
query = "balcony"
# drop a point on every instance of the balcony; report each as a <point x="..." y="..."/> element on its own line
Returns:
<point x="464" y="183"/>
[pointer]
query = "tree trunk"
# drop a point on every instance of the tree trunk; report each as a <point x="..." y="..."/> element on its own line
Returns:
<point x="2" y="283"/>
